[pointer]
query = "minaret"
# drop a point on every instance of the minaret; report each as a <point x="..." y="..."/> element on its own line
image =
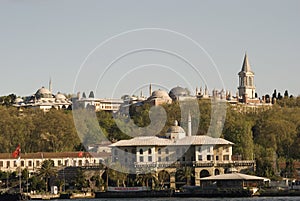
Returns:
<point x="50" y="85"/>
<point x="189" y="133"/>
<point x="246" y="80"/>
<point x="150" y="90"/>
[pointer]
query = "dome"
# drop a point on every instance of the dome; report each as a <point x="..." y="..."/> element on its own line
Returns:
<point x="178" y="91"/>
<point x="175" y="128"/>
<point x="60" y="96"/>
<point x="160" y="94"/>
<point x="19" y="100"/>
<point x="43" y="93"/>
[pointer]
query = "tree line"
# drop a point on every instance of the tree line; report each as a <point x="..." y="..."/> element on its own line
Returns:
<point x="269" y="135"/>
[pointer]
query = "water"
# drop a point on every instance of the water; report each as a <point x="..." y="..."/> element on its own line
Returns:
<point x="192" y="199"/>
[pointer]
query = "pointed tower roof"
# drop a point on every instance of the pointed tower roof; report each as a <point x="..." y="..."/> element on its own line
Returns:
<point x="246" y="66"/>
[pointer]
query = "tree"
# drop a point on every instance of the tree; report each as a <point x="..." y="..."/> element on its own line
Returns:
<point x="47" y="171"/>
<point x="186" y="173"/>
<point x="286" y="94"/>
<point x="163" y="177"/>
<point x="91" y="95"/>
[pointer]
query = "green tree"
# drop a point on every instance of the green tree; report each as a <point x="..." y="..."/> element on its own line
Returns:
<point x="47" y="171"/>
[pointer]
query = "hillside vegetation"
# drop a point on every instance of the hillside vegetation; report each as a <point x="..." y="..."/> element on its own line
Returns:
<point x="268" y="135"/>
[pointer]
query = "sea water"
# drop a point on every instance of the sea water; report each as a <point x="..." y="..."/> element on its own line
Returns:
<point x="192" y="199"/>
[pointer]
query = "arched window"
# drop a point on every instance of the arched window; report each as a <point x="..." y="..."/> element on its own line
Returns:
<point x="149" y="151"/>
<point x="141" y="151"/>
<point x="159" y="151"/>
<point x="167" y="151"/>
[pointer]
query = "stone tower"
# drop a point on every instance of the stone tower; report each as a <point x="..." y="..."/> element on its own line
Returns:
<point x="246" y="80"/>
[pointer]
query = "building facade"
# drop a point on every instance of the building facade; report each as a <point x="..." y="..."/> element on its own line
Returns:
<point x="33" y="161"/>
<point x="204" y="155"/>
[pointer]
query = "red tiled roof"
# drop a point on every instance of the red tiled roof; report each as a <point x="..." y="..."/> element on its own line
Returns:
<point x="55" y="155"/>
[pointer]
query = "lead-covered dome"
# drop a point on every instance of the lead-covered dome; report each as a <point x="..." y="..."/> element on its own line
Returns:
<point x="43" y="93"/>
<point x="176" y="92"/>
<point x="60" y="96"/>
<point x="175" y="128"/>
<point x="160" y="94"/>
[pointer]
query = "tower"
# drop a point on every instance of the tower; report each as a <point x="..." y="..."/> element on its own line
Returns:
<point x="150" y="90"/>
<point x="50" y="85"/>
<point x="246" y="80"/>
<point x="189" y="133"/>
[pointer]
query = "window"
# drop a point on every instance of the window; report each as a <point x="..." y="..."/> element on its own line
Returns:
<point x="167" y="151"/>
<point x="80" y="162"/>
<point x="199" y="149"/>
<point x="208" y="157"/>
<point x="1" y="163"/>
<point x="149" y="151"/>
<point x="126" y="152"/>
<point x="167" y="159"/>
<point x="183" y="158"/>
<point x="15" y="163"/>
<point x="29" y="163"/>
<point x="226" y="158"/>
<point x="141" y="151"/>
<point x="149" y="158"/>
<point x="141" y="159"/>
<point x="227" y="149"/>
<point x="59" y="163"/>
<point x="22" y="163"/>
<point x="66" y="162"/>
<point x="159" y="159"/>
<point x="7" y="163"/>
<point x="217" y="158"/>
<point x="159" y="151"/>
<point x="200" y="158"/>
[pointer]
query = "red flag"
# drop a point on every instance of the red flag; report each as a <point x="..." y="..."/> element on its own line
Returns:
<point x="80" y="154"/>
<point x="17" y="152"/>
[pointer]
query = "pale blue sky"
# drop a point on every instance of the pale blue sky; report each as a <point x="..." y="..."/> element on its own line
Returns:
<point x="42" y="39"/>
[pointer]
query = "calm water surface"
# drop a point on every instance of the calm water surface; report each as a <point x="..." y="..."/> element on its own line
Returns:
<point x="193" y="199"/>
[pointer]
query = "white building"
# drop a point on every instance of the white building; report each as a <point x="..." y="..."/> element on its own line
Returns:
<point x="204" y="154"/>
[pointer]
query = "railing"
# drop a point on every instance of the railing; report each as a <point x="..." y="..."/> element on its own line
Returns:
<point x="179" y="164"/>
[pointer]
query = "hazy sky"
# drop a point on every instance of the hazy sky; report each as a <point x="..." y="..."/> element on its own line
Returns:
<point x="167" y="43"/>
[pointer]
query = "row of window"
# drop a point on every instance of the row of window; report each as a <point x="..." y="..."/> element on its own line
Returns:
<point x="211" y="158"/>
<point x="37" y="163"/>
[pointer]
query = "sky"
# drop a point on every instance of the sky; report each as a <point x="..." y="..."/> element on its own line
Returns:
<point x="120" y="47"/>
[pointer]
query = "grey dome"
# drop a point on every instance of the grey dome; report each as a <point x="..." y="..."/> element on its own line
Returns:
<point x="43" y="93"/>
<point x="160" y="94"/>
<point x="177" y="92"/>
<point x="175" y="128"/>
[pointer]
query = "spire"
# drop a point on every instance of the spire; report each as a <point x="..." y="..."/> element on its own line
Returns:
<point x="150" y="90"/>
<point x="50" y="85"/>
<point x="246" y="66"/>
<point x="189" y="133"/>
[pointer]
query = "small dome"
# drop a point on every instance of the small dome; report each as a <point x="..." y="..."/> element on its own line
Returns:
<point x="175" y="128"/>
<point x="43" y="93"/>
<point x="60" y="96"/>
<point x="160" y="94"/>
<point x="19" y="100"/>
<point x="178" y="91"/>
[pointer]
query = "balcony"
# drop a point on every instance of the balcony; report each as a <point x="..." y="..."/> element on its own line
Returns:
<point x="179" y="164"/>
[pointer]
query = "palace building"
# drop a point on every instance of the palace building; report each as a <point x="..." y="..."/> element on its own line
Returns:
<point x="204" y="155"/>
